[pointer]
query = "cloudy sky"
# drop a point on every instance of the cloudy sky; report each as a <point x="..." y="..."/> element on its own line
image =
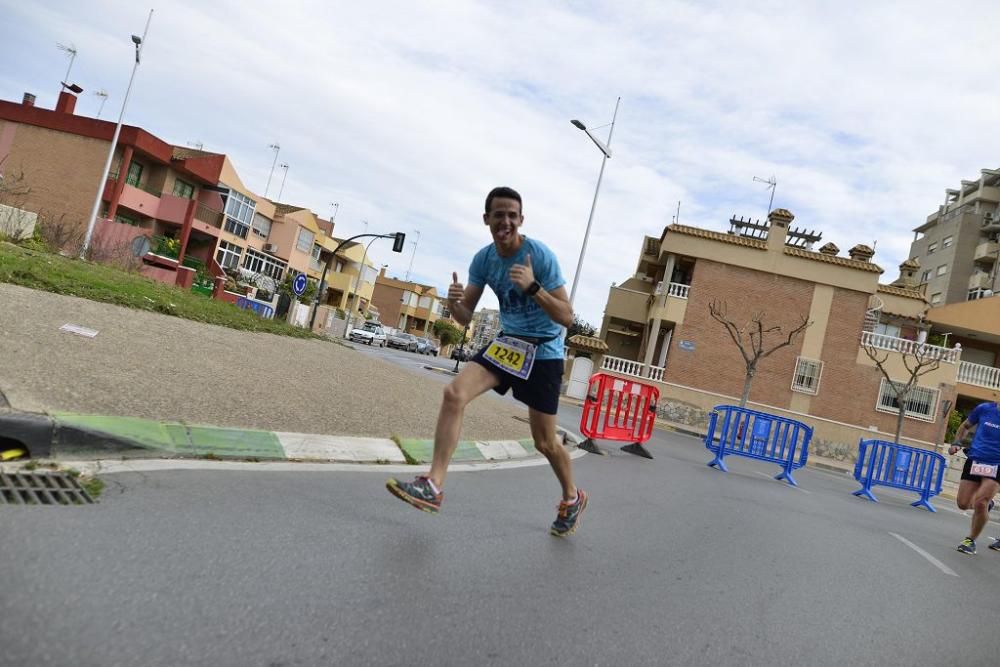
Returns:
<point x="407" y="113"/>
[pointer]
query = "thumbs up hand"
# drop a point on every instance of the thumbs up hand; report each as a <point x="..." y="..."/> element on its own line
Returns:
<point x="456" y="291"/>
<point x="522" y="275"/>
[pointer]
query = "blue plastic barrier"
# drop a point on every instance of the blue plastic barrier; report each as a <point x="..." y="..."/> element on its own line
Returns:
<point x="903" y="467"/>
<point x="757" y="435"/>
<point x="262" y="309"/>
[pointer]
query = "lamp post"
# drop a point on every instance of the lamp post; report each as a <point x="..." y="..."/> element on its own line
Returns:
<point x="276" y="147"/>
<point x="606" y="150"/>
<point x="140" y="43"/>
<point x="461" y="347"/>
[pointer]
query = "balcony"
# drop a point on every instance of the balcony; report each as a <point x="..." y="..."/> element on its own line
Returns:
<point x="906" y="346"/>
<point x="980" y="280"/>
<point x="631" y="368"/>
<point x="986" y="253"/>
<point x="979" y="375"/>
<point x="678" y="290"/>
<point x="651" y="248"/>
<point x="627" y="304"/>
<point x="208" y="215"/>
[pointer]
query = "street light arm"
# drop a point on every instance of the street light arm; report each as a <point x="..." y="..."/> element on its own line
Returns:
<point x="600" y="144"/>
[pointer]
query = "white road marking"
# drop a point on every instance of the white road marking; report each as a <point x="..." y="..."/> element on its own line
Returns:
<point x="764" y="474"/>
<point x="934" y="561"/>
<point x="154" y="465"/>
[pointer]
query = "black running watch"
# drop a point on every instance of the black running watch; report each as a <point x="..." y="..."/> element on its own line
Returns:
<point x="533" y="288"/>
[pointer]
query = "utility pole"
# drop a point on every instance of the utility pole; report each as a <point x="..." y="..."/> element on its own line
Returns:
<point x="412" y="256"/>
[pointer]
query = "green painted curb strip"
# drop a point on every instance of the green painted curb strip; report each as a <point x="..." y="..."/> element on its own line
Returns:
<point x="180" y="438"/>
<point x="422" y="451"/>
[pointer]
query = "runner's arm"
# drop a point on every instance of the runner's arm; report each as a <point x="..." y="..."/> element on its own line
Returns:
<point x="556" y="305"/>
<point x="462" y="310"/>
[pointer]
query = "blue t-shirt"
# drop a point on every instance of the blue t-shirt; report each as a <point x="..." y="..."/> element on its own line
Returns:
<point x="986" y="443"/>
<point x="520" y="314"/>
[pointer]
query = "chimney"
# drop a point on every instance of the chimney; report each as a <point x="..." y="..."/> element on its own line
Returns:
<point x="381" y="274"/>
<point x="778" y="221"/>
<point x="830" y="249"/>
<point x="28" y="100"/>
<point x="861" y="253"/>
<point x="908" y="274"/>
<point x="66" y="103"/>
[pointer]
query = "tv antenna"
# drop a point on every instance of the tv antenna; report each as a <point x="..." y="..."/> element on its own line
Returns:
<point x="772" y="184"/>
<point x="69" y="50"/>
<point x="103" y="94"/>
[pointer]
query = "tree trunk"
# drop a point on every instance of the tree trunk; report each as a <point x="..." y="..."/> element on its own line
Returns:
<point x="746" y="388"/>
<point x="899" y="419"/>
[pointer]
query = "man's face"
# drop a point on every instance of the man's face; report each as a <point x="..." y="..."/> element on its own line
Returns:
<point x="503" y="219"/>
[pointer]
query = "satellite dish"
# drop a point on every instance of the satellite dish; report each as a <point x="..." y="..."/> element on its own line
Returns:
<point x="140" y="245"/>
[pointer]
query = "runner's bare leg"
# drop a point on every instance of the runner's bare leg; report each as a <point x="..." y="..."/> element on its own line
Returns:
<point x="543" y="430"/>
<point x="981" y="503"/>
<point x="471" y="382"/>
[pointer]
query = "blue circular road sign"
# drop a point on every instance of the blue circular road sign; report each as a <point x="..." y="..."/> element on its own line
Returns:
<point x="299" y="284"/>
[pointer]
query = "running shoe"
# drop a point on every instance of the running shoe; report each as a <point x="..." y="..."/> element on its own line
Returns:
<point x="418" y="493"/>
<point x="996" y="544"/>
<point x="569" y="515"/>
<point x="968" y="546"/>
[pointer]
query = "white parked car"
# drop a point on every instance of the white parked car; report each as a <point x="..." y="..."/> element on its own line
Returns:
<point x="370" y="333"/>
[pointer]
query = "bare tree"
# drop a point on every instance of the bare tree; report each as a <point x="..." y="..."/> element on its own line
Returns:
<point x="753" y="339"/>
<point x="918" y="359"/>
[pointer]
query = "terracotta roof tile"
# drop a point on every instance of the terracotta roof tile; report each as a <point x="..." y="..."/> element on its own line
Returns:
<point x="833" y="259"/>
<point x="901" y="291"/>
<point x="281" y="209"/>
<point x="718" y="236"/>
<point x="587" y="343"/>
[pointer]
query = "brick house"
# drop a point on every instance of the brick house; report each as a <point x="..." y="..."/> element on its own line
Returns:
<point x="658" y="327"/>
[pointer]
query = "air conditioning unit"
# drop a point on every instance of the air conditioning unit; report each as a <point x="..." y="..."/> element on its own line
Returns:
<point x="270" y="247"/>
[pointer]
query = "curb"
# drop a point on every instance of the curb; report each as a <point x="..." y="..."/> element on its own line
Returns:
<point x="67" y="435"/>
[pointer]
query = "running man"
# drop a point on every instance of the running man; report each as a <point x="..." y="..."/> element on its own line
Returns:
<point x="527" y="356"/>
<point x="979" y="477"/>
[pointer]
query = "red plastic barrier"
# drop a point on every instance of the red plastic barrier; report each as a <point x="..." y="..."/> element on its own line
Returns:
<point x="619" y="409"/>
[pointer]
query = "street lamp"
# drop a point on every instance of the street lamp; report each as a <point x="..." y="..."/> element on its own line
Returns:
<point x="606" y="150"/>
<point x="140" y="43"/>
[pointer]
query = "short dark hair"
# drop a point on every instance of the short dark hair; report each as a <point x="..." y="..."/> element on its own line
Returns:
<point x="503" y="192"/>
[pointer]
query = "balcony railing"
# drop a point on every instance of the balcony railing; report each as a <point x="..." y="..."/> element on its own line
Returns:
<point x="678" y="290"/>
<point x="633" y="368"/>
<point x="979" y="375"/>
<point x="905" y="346"/>
<point x="208" y="215"/>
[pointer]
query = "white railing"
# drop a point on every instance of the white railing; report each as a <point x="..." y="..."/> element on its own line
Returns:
<point x="672" y="289"/>
<point x="979" y="375"/>
<point x="905" y="346"/>
<point x="679" y="290"/>
<point x="633" y="368"/>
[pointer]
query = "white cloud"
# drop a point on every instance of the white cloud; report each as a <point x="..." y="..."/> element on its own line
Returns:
<point x="407" y="113"/>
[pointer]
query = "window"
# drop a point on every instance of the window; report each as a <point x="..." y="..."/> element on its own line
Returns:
<point x="239" y="213"/>
<point x="946" y="242"/>
<point x="806" y="377"/>
<point x="261" y="226"/>
<point x="256" y="262"/>
<point x="931" y="248"/>
<point x="317" y="251"/>
<point x="885" y="329"/>
<point x="920" y="404"/>
<point x="980" y="293"/>
<point x="228" y="255"/>
<point x="936" y="298"/>
<point x="305" y="242"/>
<point x="183" y="189"/>
<point x="134" y="174"/>
<point x="943" y="269"/>
<point x="925" y="276"/>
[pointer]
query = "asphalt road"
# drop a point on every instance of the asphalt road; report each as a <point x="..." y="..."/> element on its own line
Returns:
<point x="674" y="564"/>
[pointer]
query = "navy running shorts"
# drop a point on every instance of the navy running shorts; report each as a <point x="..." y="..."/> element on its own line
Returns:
<point x="539" y="392"/>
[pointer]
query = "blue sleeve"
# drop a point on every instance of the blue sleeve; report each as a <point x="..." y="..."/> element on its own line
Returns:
<point x="976" y="413"/>
<point x="477" y="270"/>
<point x="550" y="277"/>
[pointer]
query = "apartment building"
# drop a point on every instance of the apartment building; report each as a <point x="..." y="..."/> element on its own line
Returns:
<point x="957" y="247"/>
<point x="407" y="306"/>
<point x="485" y="327"/>
<point x="658" y="327"/>
<point x="153" y="189"/>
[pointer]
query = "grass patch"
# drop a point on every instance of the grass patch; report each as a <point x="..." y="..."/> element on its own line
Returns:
<point x="93" y="486"/>
<point x="98" y="282"/>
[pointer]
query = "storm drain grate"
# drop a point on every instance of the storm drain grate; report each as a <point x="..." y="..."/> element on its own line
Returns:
<point x="50" y="488"/>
